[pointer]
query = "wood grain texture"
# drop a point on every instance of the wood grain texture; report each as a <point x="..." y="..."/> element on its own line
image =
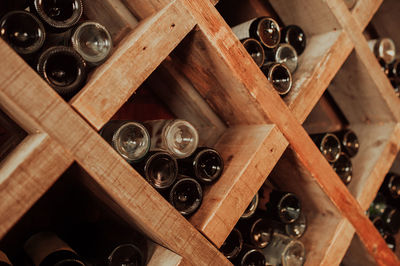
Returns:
<point x="131" y="63"/>
<point x="249" y="153"/>
<point x="159" y="220"/>
<point x="364" y="10"/>
<point x="27" y="173"/>
<point x="271" y="104"/>
<point x="144" y="8"/>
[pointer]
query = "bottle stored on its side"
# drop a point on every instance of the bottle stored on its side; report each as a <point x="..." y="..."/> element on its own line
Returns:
<point x="129" y="138"/>
<point x="47" y="249"/>
<point x="391" y="216"/>
<point x="93" y="42"/>
<point x="264" y="29"/>
<point x="279" y="75"/>
<point x="63" y="69"/>
<point x="251" y="208"/>
<point x="250" y="256"/>
<point x="349" y="141"/>
<point x="186" y="195"/>
<point x="377" y="207"/>
<point x="297" y="228"/>
<point x="329" y="145"/>
<point x="383" y="48"/>
<point x="255" y="50"/>
<point x="391" y="187"/>
<point x="232" y="245"/>
<point x="4" y="260"/>
<point x="343" y="168"/>
<point x="159" y="168"/>
<point x="205" y="164"/>
<point x="287" y="55"/>
<point x="58" y="15"/>
<point x="176" y="136"/>
<point x="284" y="250"/>
<point x="294" y="36"/>
<point x="284" y="206"/>
<point x="256" y="230"/>
<point x="23" y="32"/>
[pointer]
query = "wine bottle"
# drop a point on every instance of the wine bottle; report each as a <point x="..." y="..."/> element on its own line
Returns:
<point x="279" y="75"/>
<point x="251" y="209"/>
<point x="391" y="188"/>
<point x="394" y="69"/>
<point x="63" y="69"/>
<point x="159" y="168"/>
<point x="294" y="36"/>
<point x="130" y="139"/>
<point x="93" y="42"/>
<point x="205" y="165"/>
<point x="264" y="29"/>
<point x="287" y="55"/>
<point x="126" y="254"/>
<point x="383" y="48"/>
<point x="232" y="245"/>
<point x="297" y="228"/>
<point x="283" y="206"/>
<point x="250" y="256"/>
<point x="256" y="230"/>
<point x="349" y="141"/>
<point x="4" y="260"/>
<point x="177" y="136"/>
<point x="381" y="226"/>
<point x="329" y="145"/>
<point x="47" y="249"/>
<point x="58" y="15"/>
<point x="391" y="216"/>
<point x="255" y="50"/>
<point x="377" y="207"/>
<point x="23" y="32"/>
<point x="343" y="168"/>
<point x="186" y="195"/>
<point x="284" y="250"/>
<point x="395" y="85"/>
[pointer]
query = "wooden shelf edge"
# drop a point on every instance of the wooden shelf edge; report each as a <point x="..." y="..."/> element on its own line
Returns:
<point x="364" y="11"/>
<point x="136" y="58"/>
<point x="159" y="255"/>
<point x="27" y="173"/>
<point x="250" y="153"/>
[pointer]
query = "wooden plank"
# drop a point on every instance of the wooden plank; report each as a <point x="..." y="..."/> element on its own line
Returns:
<point x="176" y="91"/>
<point x="134" y="60"/>
<point x="364" y="10"/>
<point x="379" y="146"/>
<point x="113" y="15"/>
<point x="159" y="220"/>
<point x="145" y="8"/>
<point x="249" y="153"/>
<point x="222" y="42"/>
<point x="159" y="255"/>
<point x="26" y="174"/>
<point x="321" y="60"/>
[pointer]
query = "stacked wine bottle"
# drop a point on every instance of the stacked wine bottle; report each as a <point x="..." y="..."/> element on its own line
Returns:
<point x="338" y="148"/>
<point x="384" y="50"/>
<point x="384" y="211"/>
<point x="268" y="235"/>
<point x="100" y="244"/>
<point x="274" y="50"/>
<point x="54" y="40"/>
<point x="166" y="154"/>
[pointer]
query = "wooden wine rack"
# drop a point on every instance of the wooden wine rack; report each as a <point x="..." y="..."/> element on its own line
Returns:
<point x="185" y="52"/>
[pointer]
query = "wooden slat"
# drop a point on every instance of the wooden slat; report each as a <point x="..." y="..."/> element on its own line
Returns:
<point x="379" y="145"/>
<point x="144" y="8"/>
<point x="159" y="220"/>
<point x="134" y="60"/>
<point x="27" y="173"/>
<point x="274" y="108"/>
<point x="249" y="153"/>
<point x="364" y="10"/>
